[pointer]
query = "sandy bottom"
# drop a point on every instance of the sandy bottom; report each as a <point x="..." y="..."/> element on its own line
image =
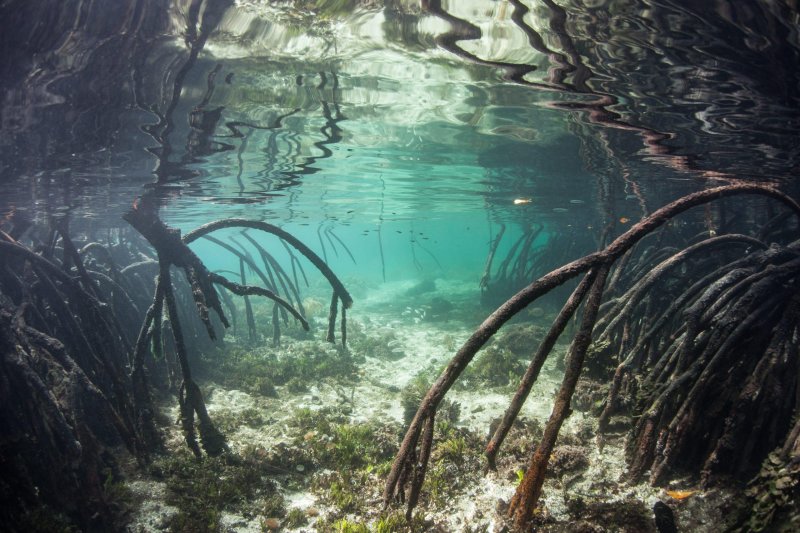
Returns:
<point x="426" y="343"/>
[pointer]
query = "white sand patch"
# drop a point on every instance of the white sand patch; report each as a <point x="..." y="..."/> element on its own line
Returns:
<point x="300" y="500"/>
<point x="234" y="523"/>
<point x="477" y="507"/>
<point x="153" y="514"/>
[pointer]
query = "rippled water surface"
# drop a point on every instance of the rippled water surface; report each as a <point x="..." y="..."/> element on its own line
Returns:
<point x="430" y="124"/>
<point x="439" y="156"/>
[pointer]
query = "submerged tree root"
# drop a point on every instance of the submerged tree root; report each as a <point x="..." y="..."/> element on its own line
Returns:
<point x="64" y="395"/>
<point x="173" y="250"/>
<point x="723" y="396"/>
<point x="408" y="469"/>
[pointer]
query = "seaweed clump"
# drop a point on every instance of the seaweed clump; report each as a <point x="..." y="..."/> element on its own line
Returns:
<point x="496" y="366"/>
<point x="347" y="459"/>
<point x="413" y="393"/>
<point x="773" y="495"/>
<point x="203" y="490"/>
<point x="295" y="366"/>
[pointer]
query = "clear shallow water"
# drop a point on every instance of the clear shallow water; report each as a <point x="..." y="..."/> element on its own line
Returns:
<point x="399" y="140"/>
<point x="421" y="123"/>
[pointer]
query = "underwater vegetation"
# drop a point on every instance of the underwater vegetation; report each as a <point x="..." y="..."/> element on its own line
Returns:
<point x="202" y="490"/>
<point x="296" y="365"/>
<point x="141" y="389"/>
<point x="413" y="393"/>
<point x="173" y="250"/>
<point x="774" y="491"/>
<point x="495" y="366"/>
<point x="671" y="419"/>
<point x="67" y="358"/>
<point x="686" y="355"/>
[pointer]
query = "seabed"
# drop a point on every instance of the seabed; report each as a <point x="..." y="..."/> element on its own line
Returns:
<point x="312" y="454"/>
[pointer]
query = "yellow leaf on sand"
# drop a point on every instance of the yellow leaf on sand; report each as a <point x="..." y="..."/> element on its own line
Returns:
<point x="680" y="494"/>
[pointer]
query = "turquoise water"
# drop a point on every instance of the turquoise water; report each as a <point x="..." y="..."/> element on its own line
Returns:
<point x="438" y="156"/>
<point x="371" y="123"/>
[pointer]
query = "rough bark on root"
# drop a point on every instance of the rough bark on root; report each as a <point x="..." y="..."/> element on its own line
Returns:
<point x="407" y="455"/>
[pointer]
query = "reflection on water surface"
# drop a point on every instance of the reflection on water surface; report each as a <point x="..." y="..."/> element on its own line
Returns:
<point x="306" y="108"/>
<point x="438" y="156"/>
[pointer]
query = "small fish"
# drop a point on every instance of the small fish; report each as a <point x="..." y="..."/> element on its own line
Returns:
<point x="577" y="202"/>
<point x="522" y="201"/>
<point x="624" y="220"/>
<point x="680" y="494"/>
<point x="559" y="210"/>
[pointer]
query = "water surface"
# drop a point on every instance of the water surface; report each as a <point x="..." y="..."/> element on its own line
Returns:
<point x="406" y="130"/>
